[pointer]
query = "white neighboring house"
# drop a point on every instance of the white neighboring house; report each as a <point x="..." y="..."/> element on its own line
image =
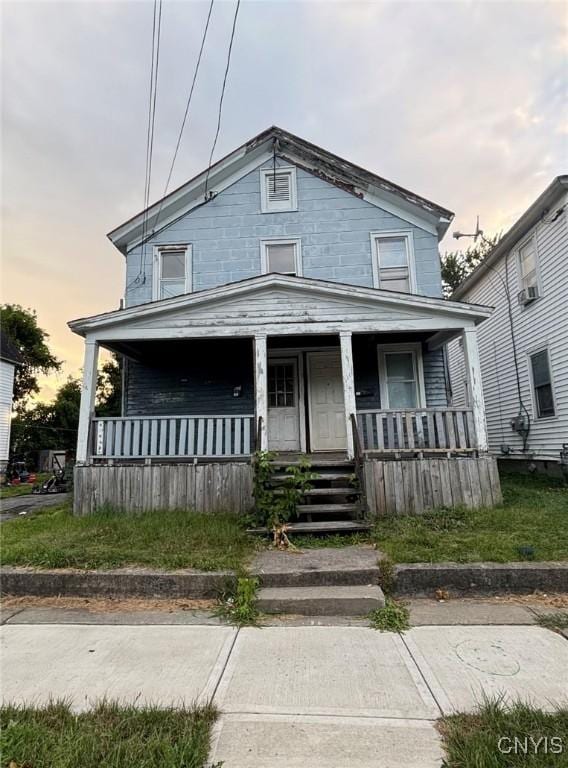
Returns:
<point x="9" y="359"/>
<point x="524" y="344"/>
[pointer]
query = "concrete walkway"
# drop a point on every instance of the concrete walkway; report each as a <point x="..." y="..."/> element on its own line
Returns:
<point x="291" y="696"/>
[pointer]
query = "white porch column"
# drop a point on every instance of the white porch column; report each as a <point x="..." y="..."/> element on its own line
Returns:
<point x="88" y="392"/>
<point x="475" y="387"/>
<point x="348" y="386"/>
<point x="261" y="388"/>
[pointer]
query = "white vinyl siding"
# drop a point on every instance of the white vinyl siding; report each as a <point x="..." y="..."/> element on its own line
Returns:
<point x="282" y="256"/>
<point x="172" y="271"/>
<point x="6" y="394"/>
<point x="546" y="325"/>
<point x="393" y="261"/>
<point x="278" y="189"/>
<point x="542" y="388"/>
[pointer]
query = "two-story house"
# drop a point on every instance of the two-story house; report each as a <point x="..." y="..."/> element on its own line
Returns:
<point x="524" y="345"/>
<point x="289" y="300"/>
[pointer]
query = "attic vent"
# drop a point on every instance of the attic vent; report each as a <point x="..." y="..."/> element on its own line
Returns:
<point x="278" y="190"/>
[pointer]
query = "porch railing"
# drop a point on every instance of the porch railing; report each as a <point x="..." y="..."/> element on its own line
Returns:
<point x="172" y="436"/>
<point x="425" y="429"/>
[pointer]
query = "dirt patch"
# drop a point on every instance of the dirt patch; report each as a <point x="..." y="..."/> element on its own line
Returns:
<point x="107" y="604"/>
<point x="552" y="599"/>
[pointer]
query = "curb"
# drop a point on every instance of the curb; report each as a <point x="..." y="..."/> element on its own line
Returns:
<point x="419" y="579"/>
<point x="410" y="580"/>
<point x="122" y="583"/>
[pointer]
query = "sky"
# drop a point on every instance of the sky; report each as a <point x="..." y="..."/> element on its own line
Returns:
<point x="463" y="103"/>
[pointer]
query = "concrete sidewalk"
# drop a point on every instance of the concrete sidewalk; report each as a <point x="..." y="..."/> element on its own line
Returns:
<point x="291" y="696"/>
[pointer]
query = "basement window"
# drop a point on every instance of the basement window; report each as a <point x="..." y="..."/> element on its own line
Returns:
<point x="172" y="271"/>
<point x="282" y="256"/>
<point x="278" y="189"/>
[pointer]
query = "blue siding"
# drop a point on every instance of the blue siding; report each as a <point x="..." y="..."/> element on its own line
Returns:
<point x="334" y="227"/>
<point x="198" y="377"/>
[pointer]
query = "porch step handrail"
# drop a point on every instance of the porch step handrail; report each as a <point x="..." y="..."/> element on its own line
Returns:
<point x="138" y="437"/>
<point x="417" y="429"/>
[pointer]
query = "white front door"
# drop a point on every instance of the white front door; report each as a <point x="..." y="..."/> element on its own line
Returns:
<point x="283" y="405"/>
<point x="327" y="406"/>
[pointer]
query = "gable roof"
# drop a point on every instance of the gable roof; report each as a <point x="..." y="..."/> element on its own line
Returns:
<point x="530" y="217"/>
<point x="237" y="298"/>
<point x="327" y="166"/>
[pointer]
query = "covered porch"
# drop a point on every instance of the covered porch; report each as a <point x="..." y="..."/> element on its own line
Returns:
<point x="221" y="399"/>
<point x="284" y="364"/>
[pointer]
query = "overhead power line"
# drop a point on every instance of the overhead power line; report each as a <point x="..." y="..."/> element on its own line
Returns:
<point x="182" y="127"/>
<point x="153" y="90"/>
<point x="222" y="96"/>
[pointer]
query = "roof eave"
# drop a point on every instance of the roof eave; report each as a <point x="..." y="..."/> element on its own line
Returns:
<point x="529" y="218"/>
<point x="82" y="326"/>
<point x="191" y="190"/>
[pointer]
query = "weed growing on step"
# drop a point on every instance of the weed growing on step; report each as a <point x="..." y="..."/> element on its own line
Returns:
<point x="386" y="575"/>
<point x="238" y="603"/>
<point x="394" y="617"/>
<point x="554" y="621"/>
<point x="277" y="504"/>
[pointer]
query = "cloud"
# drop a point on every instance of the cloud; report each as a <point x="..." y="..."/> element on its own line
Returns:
<point x="463" y="102"/>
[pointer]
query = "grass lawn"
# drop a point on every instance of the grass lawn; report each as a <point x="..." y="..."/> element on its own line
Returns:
<point x="54" y="538"/>
<point x="472" y="741"/>
<point x="534" y="514"/>
<point x="110" y="736"/>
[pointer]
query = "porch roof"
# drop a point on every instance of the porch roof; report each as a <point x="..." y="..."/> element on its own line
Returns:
<point x="277" y="305"/>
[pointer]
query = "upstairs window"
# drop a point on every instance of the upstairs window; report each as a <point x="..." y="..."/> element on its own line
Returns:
<point x="282" y="256"/>
<point x="542" y="384"/>
<point x="278" y="190"/>
<point x="172" y="271"/>
<point x="393" y="267"/>
<point x="527" y="265"/>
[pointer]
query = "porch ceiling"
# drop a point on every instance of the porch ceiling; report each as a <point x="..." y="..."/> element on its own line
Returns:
<point x="280" y="305"/>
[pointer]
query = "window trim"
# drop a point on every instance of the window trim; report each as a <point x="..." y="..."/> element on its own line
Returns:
<point x="156" y="280"/>
<point x="531" y="238"/>
<point x="416" y="349"/>
<point x="408" y="235"/>
<point x="296" y="241"/>
<point x="530" y="354"/>
<point x="264" y="172"/>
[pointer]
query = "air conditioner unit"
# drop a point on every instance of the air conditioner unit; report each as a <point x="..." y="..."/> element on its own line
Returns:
<point x="527" y="295"/>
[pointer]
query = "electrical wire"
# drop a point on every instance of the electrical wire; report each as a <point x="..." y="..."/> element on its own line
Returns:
<point x="182" y="128"/>
<point x="222" y="97"/>
<point x="505" y="284"/>
<point x="154" y="66"/>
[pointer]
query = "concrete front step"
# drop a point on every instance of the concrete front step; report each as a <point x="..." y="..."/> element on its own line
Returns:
<point x="321" y="601"/>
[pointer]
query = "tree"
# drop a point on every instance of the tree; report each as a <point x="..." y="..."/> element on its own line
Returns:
<point x="457" y="265"/>
<point x="48" y="425"/>
<point x="109" y="388"/>
<point x="20" y="325"/>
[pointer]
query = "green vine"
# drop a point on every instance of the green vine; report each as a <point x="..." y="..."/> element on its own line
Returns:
<point x="276" y="504"/>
